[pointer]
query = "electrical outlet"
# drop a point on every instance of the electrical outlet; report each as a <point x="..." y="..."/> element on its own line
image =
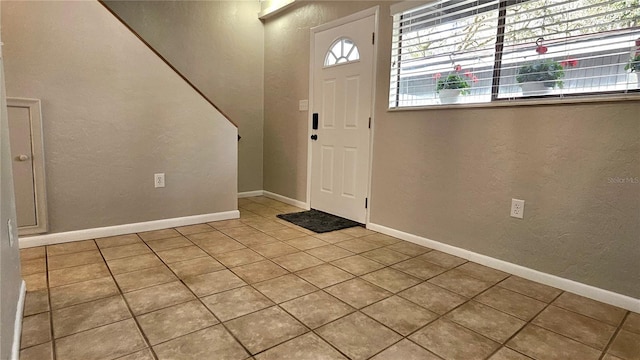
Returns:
<point x="517" y="208"/>
<point x="158" y="180"/>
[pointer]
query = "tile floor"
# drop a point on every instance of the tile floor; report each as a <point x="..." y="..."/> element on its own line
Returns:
<point x="262" y="287"/>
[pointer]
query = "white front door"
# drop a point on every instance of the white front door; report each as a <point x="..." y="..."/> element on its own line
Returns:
<point x="342" y="99"/>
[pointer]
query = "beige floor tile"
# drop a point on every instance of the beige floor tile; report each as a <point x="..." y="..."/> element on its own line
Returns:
<point x="451" y="341"/>
<point x="481" y="272"/>
<point x="329" y="252"/>
<point x="381" y="239"/>
<point x="385" y="256"/>
<point x="33" y="266"/>
<point x="255" y="239"/>
<point x="259" y="271"/>
<point x="600" y="311"/>
<point x="512" y="303"/>
<point x="206" y="237"/>
<point x="286" y="234"/>
<point x="38" y="352"/>
<point x="357" y="265"/>
<point x="408" y="248"/>
<point x="236" y="302"/>
<point x="218" y="246"/>
<point x="106" y="342"/>
<point x="226" y="224"/>
<point x="324" y="275"/>
<point x="158" y="297"/>
<point x="181" y="254"/>
<point x="36" y="329"/>
<point x="266" y="328"/>
<point x="575" y="326"/>
<point x="71" y="247"/>
<point x="72" y="294"/>
<point x="626" y="346"/>
<point x="358" y="245"/>
<point x="32" y="253"/>
<point x="118" y="252"/>
<point x="357" y="231"/>
<point x="539" y="343"/>
<point x="36" y="282"/>
<point x="139" y="355"/>
<point x="169" y="243"/>
<point x="194" y="229"/>
<point x="442" y="259"/>
<point x="297" y="261"/>
<point x="306" y="243"/>
<point x="399" y="314"/>
<point x="140" y="279"/>
<point x="236" y="231"/>
<point x="196" y="266"/>
<point x="530" y="288"/>
<point x="158" y="234"/>
<point x="317" y="309"/>
<point x="275" y="249"/>
<point x="358" y="336"/>
<point x="85" y="316"/>
<point x="433" y="297"/>
<point x="390" y="279"/>
<point x="201" y="345"/>
<point x="119" y="240"/>
<point x="284" y="288"/>
<point x="508" y="354"/>
<point x="36" y="302"/>
<point x="239" y="257"/>
<point x="77" y="274"/>
<point x="632" y="323"/>
<point x="306" y="347"/>
<point x="74" y="259"/>
<point x="333" y="237"/>
<point x="611" y="357"/>
<point x="133" y="263"/>
<point x="358" y="293"/>
<point x="265" y="225"/>
<point x="169" y="323"/>
<point x="486" y="321"/>
<point x="421" y="269"/>
<point x="460" y="283"/>
<point x="214" y="282"/>
<point x="405" y="350"/>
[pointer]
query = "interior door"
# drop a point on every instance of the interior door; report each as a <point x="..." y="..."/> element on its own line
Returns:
<point x="342" y="100"/>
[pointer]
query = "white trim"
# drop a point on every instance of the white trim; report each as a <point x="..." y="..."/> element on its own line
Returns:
<point x="17" y="324"/>
<point x="287" y="200"/>
<point x="86" y="234"/>
<point x="273" y="10"/>
<point x="335" y="23"/>
<point x="397" y="8"/>
<point x="247" y="194"/>
<point x="592" y="292"/>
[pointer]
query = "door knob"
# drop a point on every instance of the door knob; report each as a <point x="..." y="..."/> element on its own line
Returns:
<point x="314" y="137"/>
<point x="23" y="157"/>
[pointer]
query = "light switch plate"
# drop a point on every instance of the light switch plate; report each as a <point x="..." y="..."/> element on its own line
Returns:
<point x="303" y="105"/>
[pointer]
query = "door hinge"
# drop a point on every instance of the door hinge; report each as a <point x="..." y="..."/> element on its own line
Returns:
<point x="369" y="122"/>
<point x="373" y="38"/>
<point x="366" y="203"/>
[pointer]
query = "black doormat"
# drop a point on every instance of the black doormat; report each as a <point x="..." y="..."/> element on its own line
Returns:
<point x="318" y="221"/>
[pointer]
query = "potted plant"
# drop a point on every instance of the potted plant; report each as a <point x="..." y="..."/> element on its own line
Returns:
<point x="450" y="87"/>
<point x="634" y="66"/>
<point x="540" y="77"/>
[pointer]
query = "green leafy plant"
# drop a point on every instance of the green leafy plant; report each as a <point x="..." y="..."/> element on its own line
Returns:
<point x="454" y="81"/>
<point x="548" y="71"/>
<point x="634" y="63"/>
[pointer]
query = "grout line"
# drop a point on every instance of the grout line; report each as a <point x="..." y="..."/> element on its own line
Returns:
<point x="614" y="335"/>
<point x="53" y="340"/>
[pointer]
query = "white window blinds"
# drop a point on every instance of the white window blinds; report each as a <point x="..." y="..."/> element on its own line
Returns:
<point x="476" y="51"/>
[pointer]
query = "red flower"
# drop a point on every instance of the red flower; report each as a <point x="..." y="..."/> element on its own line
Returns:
<point x="458" y="68"/>
<point x="638" y="42"/>
<point x="437" y="76"/>
<point x="541" y="49"/>
<point x="569" y="62"/>
<point x="474" y="79"/>
<point x="468" y="74"/>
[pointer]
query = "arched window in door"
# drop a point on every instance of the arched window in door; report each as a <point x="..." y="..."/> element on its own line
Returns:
<point x="342" y="51"/>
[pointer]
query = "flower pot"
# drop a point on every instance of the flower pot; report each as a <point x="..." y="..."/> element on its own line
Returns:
<point x="632" y="81"/>
<point x="449" y="96"/>
<point x="536" y="88"/>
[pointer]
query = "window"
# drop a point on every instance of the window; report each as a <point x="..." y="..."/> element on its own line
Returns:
<point x="341" y="51"/>
<point x="477" y="51"/>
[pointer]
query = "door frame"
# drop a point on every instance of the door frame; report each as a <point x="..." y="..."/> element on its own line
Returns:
<point x="335" y="23"/>
<point x="37" y="161"/>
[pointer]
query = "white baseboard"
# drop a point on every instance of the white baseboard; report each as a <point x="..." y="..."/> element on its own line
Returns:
<point x="592" y="292"/>
<point x="86" y="234"/>
<point x="247" y="194"/>
<point x="17" y="324"/>
<point x="286" y="200"/>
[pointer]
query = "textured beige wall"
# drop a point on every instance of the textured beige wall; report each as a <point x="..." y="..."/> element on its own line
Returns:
<point x="449" y="175"/>
<point x="9" y="255"/>
<point x="218" y="46"/>
<point x="113" y="115"/>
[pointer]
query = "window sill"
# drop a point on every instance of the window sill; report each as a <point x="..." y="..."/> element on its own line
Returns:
<point x="592" y="99"/>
